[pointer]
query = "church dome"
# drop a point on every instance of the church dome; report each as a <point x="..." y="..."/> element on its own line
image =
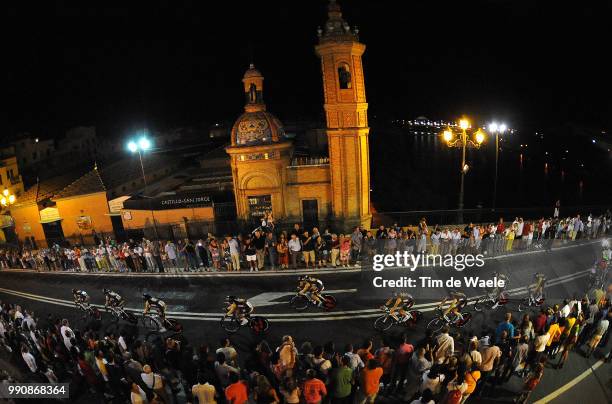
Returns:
<point x="257" y="127"/>
<point x="252" y="72"/>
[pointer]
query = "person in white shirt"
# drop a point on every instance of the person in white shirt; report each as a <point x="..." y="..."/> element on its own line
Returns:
<point x="295" y="246"/>
<point x="445" y="345"/>
<point x="66" y="333"/>
<point x="28" y="358"/>
<point x="445" y="237"/>
<point x="432" y="380"/>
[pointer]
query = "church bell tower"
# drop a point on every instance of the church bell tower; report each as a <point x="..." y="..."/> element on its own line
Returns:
<point x="347" y="120"/>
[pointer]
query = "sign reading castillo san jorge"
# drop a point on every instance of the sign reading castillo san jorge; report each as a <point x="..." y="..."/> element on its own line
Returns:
<point x="176" y="201"/>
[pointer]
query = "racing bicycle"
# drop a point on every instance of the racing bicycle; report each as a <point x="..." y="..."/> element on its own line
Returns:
<point x="492" y="301"/>
<point x="156" y="323"/>
<point x="530" y="301"/>
<point x="302" y="302"/>
<point x="386" y="321"/>
<point x="257" y="324"/>
<point x="122" y="314"/>
<point x="440" y="320"/>
<point x="89" y="310"/>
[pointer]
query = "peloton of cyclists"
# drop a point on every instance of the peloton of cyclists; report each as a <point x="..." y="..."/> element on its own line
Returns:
<point x="238" y="308"/>
<point x="311" y="287"/>
<point x="401" y="302"/>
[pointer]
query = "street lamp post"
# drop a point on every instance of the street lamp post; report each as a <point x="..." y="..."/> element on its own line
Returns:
<point x="143" y="144"/>
<point x="498" y="129"/>
<point x="7" y="198"/>
<point x="463" y="141"/>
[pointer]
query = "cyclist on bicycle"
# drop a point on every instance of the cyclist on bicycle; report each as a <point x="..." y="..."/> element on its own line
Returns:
<point x="458" y="301"/>
<point x="81" y="298"/>
<point x="538" y="290"/>
<point x="499" y="293"/>
<point x="113" y="299"/>
<point x="402" y="302"/>
<point x="158" y="305"/>
<point x="311" y="286"/>
<point x="238" y="308"/>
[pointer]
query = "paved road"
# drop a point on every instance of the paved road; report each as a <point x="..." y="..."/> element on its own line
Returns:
<point x="197" y="302"/>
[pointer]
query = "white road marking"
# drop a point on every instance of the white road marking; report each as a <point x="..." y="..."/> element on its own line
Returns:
<point x="268" y="298"/>
<point x="283" y="317"/>
<point x="570" y="384"/>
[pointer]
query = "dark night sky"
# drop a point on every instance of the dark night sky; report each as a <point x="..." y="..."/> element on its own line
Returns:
<point x="532" y="63"/>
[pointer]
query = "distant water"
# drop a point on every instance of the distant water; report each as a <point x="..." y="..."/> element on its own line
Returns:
<point x="420" y="172"/>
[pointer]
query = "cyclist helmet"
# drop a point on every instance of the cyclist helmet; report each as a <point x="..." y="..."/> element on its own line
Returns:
<point x="230" y="299"/>
<point x="106" y="291"/>
<point x="146" y="296"/>
<point x="74" y="291"/>
<point x="302" y="277"/>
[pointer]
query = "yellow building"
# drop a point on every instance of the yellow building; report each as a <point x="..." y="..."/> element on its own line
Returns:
<point x="266" y="174"/>
<point x="11" y="185"/>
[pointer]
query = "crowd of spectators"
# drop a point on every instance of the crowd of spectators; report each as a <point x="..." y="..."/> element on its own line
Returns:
<point x="268" y="247"/>
<point x="448" y="367"/>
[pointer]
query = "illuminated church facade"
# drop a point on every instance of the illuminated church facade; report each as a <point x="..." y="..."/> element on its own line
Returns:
<point x="333" y="190"/>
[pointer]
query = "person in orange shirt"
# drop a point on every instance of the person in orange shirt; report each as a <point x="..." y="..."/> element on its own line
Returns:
<point x="365" y="352"/>
<point x="314" y="389"/>
<point x="369" y="383"/>
<point x="471" y="378"/>
<point x="554" y="332"/>
<point x="236" y="392"/>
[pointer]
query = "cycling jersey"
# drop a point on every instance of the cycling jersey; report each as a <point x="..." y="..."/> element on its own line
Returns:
<point x="313" y="283"/>
<point x="158" y="305"/>
<point x="80" y="296"/>
<point x="113" y="299"/>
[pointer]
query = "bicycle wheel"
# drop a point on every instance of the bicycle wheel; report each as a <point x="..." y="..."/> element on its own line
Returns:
<point x="384" y="322"/>
<point x="259" y="324"/>
<point x="173" y="325"/>
<point x="130" y="317"/>
<point x="95" y="313"/>
<point x="329" y="302"/>
<point x="299" y="302"/>
<point x="466" y="319"/>
<point x="415" y="316"/>
<point x="436" y="324"/>
<point x="150" y="323"/>
<point x="230" y="324"/>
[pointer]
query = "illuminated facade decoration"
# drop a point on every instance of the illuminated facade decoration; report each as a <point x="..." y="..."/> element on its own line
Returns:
<point x="266" y="174"/>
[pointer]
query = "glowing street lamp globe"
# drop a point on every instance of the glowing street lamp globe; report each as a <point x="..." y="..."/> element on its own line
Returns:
<point x="480" y="137"/>
<point x="464" y="124"/>
<point x="11" y="199"/>
<point x="448" y="135"/>
<point x="144" y="143"/>
<point x="132" y="146"/>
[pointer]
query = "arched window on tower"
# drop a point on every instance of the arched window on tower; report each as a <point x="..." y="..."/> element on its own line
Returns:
<point x="344" y="76"/>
